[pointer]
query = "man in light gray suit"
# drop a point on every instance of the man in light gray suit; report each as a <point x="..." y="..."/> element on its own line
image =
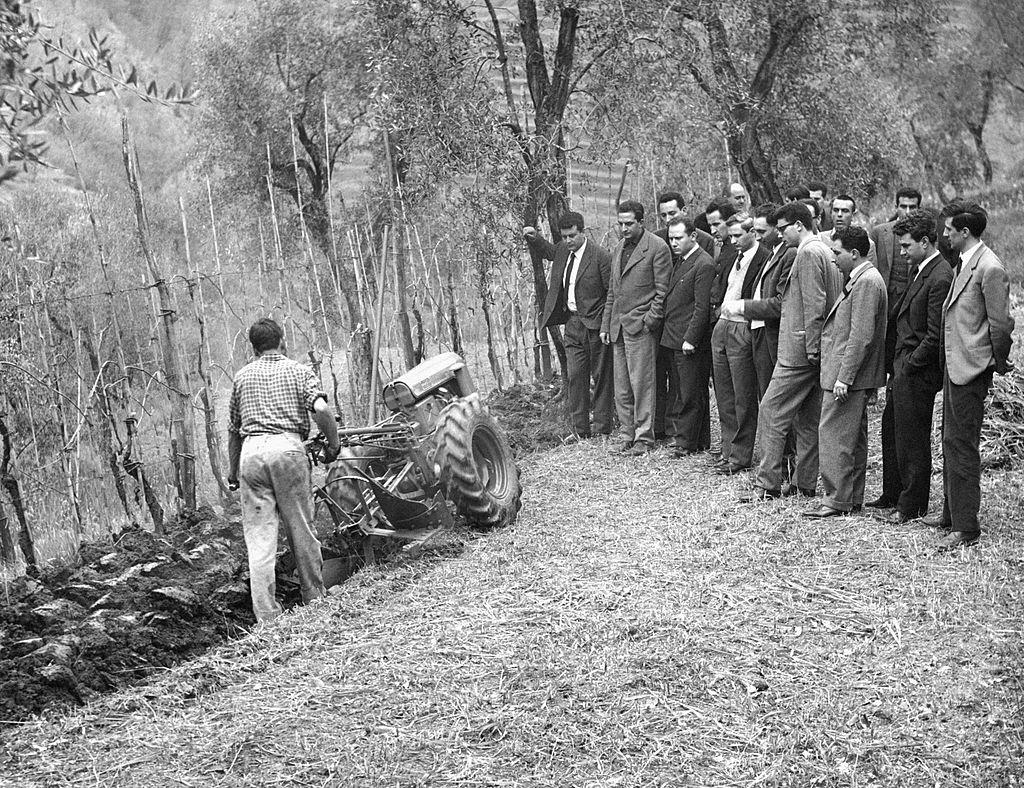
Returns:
<point x="793" y="398"/>
<point x="976" y="337"/>
<point x="852" y="367"/>
<point x="641" y="269"/>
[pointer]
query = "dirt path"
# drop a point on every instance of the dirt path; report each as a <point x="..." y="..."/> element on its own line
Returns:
<point x="635" y="628"/>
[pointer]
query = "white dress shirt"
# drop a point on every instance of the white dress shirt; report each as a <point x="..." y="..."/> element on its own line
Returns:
<point x="570" y="292"/>
<point x="736" y="276"/>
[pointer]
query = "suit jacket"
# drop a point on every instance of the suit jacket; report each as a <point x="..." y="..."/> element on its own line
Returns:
<point x="853" y="338"/>
<point x="772" y="278"/>
<point x="724" y="263"/>
<point x="976" y="324"/>
<point x="591" y="283"/>
<point x="808" y="294"/>
<point x="636" y="290"/>
<point x="688" y="302"/>
<point x="917" y="323"/>
<point x="887" y="252"/>
<point x="704" y="240"/>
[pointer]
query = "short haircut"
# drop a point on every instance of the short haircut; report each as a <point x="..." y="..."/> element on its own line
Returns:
<point x="811" y="203"/>
<point x="911" y="193"/>
<point x="633" y="207"/>
<point x="686" y="221"/>
<point x="571" y="219"/>
<point x="972" y="218"/>
<point x="848" y="199"/>
<point x="798" y="192"/>
<point x="765" y="211"/>
<point x="853" y="239"/>
<point x="793" y="212"/>
<point x="743" y="219"/>
<point x="920" y="224"/>
<point x="265" y="334"/>
<point x="675" y="197"/>
<point x="817" y="186"/>
<point x="952" y="208"/>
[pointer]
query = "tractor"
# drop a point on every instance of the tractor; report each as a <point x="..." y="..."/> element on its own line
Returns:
<point x="437" y="455"/>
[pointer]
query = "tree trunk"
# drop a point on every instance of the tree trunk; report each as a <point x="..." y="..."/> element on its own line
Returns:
<point x="10" y="483"/>
<point x="182" y="421"/>
<point x="976" y="127"/>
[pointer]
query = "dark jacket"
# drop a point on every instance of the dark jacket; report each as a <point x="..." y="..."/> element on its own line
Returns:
<point x="688" y="303"/>
<point x="591" y="283"/>
<point x="916" y="322"/>
<point x="773" y="277"/>
<point x="704" y="240"/>
<point x="726" y="261"/>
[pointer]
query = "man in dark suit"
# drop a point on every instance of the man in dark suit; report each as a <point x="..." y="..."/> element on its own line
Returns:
<point x="916" y="374"/>
<point x="576" y="296"/>
<point x="670" y="204"/>
<point x="723" y="253"/>
<point x="793" y="398"/>
<point x="732" y="350"/>
<point x="977" y="332"/>
<point x="686" y="336"/>
<point x="852" y="367"/>
<point x="890" y="263"/>
<point x="819" y="193"/>
<point x="640" y="270"/>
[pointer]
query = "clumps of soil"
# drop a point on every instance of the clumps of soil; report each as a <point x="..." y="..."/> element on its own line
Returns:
<point x="125" y="608"/>
<point x="532" y="414"/>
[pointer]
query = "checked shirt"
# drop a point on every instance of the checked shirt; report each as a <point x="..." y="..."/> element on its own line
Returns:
<point x="273" y="395"/>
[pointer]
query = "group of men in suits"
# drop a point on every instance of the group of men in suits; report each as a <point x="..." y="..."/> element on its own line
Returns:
<point x="797" y="328"/>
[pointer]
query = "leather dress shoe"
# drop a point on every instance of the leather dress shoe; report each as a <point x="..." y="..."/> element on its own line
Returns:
<point x="638" y="449"/>
<point x="680" y="452"/>
<point x="620" y="447"/>
<point x="955" y="539"/>
<point x="881" y="502"/>
<point x="758" y="494"/>
<point x="897" y="518"/>
<point x="935" y="521"/>
<point x="728" y="469"/>
<point x="823" y="511"/>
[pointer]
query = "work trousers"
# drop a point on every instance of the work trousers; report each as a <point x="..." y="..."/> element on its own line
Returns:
<point x="735" y="389"/>
<point x="587" y="357"/>
<point x="963" y="408"/>
<point x="276" y="488"/>
<point x="765" y="357"/>
<point x="913" y="402"/>
<point x="843" y="438"/>
<point x="634" y="386"/>
<point x="689" y="416"/>
<point x="791" y="403"/>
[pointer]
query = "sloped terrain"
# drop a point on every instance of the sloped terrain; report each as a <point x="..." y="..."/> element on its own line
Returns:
<point x="636" y="627"/>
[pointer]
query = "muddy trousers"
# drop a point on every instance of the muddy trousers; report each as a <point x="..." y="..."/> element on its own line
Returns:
<point x="276" y="489"/>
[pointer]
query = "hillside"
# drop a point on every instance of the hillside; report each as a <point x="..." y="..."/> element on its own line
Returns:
<point x="636" y="627"/>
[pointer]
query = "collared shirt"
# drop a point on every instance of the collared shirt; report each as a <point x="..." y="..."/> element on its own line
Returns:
<point x="923" y="263"/>
<point x="570" y="290"/>
<point x="628" y="246"/>
<point x="273" y="395"/>
<point x="860" y="267"/>
<point x="737" y="273"/>
<point x="758" y="292"/>
<point x="965" y="257"/>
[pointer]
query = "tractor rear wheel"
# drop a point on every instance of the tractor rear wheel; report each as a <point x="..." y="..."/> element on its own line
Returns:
<point x="478" y="472"/>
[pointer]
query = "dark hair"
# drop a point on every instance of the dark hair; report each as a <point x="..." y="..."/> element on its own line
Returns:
<point x="952" y="208"/>
<point x="794" y="212"/>
<point x="909" y="191"/>
<point x="675" y="197"/>
<point x="571" y="219"/>
<point x="765" y="210"/>
<point x="633" y="207"/>
<point x="798" y="192"/>
<point x="686" y="221"/>
<point x="972" y="218"/>
<point x="265" y="334"/>
<point x="811" y="203"/>
<point x="853" y="239"/>
<point x="817" y="186"/>
<point x="920" y="224"/>
<point x="846" y="197"/>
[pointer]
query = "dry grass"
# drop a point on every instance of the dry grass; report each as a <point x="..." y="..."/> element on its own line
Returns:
<point x="635" y="628"/>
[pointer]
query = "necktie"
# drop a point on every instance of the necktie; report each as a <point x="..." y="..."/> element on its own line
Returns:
<point x="568" y="272"/>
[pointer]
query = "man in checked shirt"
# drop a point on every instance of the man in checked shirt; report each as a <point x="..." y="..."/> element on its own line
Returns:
<point x="271" y="402"/>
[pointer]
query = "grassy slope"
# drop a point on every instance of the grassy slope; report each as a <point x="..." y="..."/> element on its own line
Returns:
<point x="636" y="627"/>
